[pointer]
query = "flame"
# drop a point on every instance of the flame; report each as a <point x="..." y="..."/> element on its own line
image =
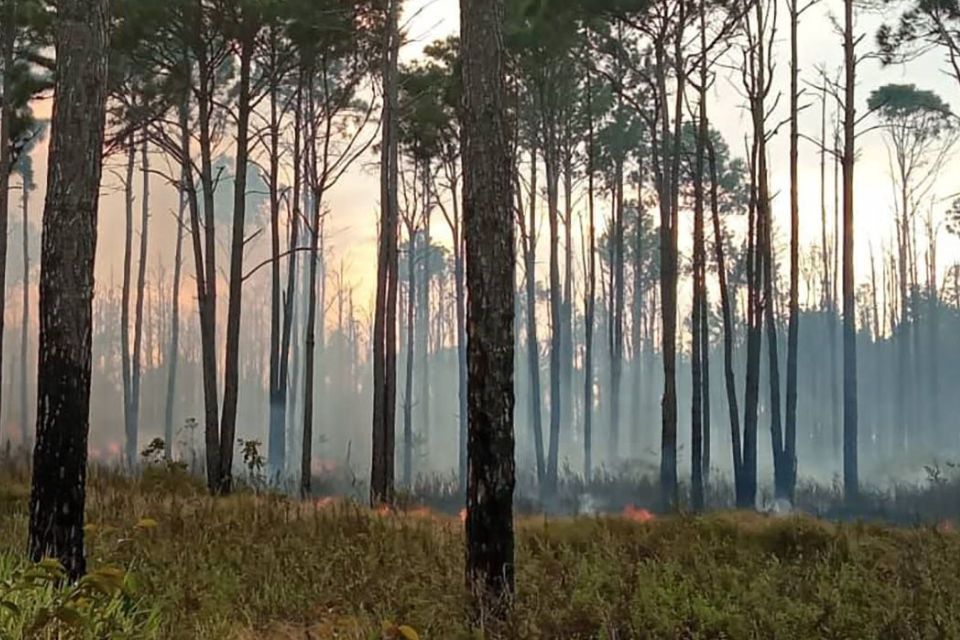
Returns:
<point x="946" y="526"/>
<point x="420" y="512"/>
<point x="634" y="514"/>
<point x="114" y="448"/>
<point x="383" y="510"/>
<point x="463" y="515"/>
<point x="324" y="502"/>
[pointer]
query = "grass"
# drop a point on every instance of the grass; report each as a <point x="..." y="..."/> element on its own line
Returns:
<point x="266" y="566"/>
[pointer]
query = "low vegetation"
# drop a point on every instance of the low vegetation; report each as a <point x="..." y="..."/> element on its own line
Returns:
<point x="168" y="561"/>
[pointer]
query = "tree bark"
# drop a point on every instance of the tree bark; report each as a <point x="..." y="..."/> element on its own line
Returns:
<point x="533" y="342"/>
<point x="7" y="38"/>
<point x="135" y="358"/>
<point x="850" y="471"/>
<point x="66" y="284"/>
<point x="591" y="296"/>
<point x="173" y="351"/>
<point x="129" y="423"/>
<point x="488" y="216"/>
<point x="28" y="186"/>
<point x="231" y="365"/>
<point x="385" y="314"/>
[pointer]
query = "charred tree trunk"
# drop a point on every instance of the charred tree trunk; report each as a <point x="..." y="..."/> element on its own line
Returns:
<point x="66" y="285"/>
<point x="488" y="216"/>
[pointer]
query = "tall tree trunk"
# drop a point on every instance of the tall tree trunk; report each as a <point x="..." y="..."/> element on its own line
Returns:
<point x="306" y="451"/>
<point x="129" y="422"/>
<point x="636" y="328"/>
<point x="173" y="350"/>
<point x="699" y="258"/>
<point x="207" y="306"/>
<point x="746" y="499"/>
<point x="793" y="329"/>
<point x="276" y="434"/>
<point x="7" y="38"/>
<point x="231" y="364"/>
<point x="290" y="295"/>
<point x="850" y="472"/>
<point x="135" y="358"/>
<point x="590" y="306"/>
<point x="533" y="343"/>
<point x="25" y="311"/>
<point x="66" y="284"/>
<point x="411" y="322"/>
<point x="566" y="335"/>
<point x="616" y="350"/>
<point x="384" y="331"/>
<point x="551" y="161"/>
<point x="423" y="299"/>
<point x="488" y="215"/>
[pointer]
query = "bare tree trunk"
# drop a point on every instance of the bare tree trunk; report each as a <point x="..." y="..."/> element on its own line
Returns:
<point x="551" y="162"/>
<point x="306" y="452"/>
<point x="636" y="392"/>
<point x="529" y="241"/>
<point x="669" y="229"/>
<point x="7" y="38"/>
<point x="793" y="329"/>
<point x="25" y="317"/>
<point x="616" y="346"/>
<point x="423" y="299"/>
<point x="173" y="352"/>
<point x="290" y="295"/>
<point x="566" y="312"/>
<point x="276" y="434"/>
<point x="699" y="284"/>
<point x="231" y="366"/>
<point x="746" y="498"/>
<point x="411" y="348"/>
<point x="66" y="285"/>
<point x="129" y="421"/>
<point x="384" y="331"/>
<point x="850" y="472"/>
<point x="488" y="215"/>
<point x="590" y="305"/>
<point x="135" y="374"/>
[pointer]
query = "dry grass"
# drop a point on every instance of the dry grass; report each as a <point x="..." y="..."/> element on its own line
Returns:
<point x="269" y="567"/>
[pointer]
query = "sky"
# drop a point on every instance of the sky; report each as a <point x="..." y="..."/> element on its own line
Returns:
<point x="353" y="203"/>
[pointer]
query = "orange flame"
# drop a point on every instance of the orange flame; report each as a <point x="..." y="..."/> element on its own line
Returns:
<point x="463" y="515"/>
<point x="383" y="510"/>
<point x="420" y="512"/>
<point x="637" y="515"/>
<point x="323" y="503"/>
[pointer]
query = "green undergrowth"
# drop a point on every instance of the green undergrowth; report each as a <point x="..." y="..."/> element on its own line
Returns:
<point x="175" y="563"/>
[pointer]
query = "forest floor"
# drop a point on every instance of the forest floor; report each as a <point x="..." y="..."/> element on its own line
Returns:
<point x="251" y="566"/>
